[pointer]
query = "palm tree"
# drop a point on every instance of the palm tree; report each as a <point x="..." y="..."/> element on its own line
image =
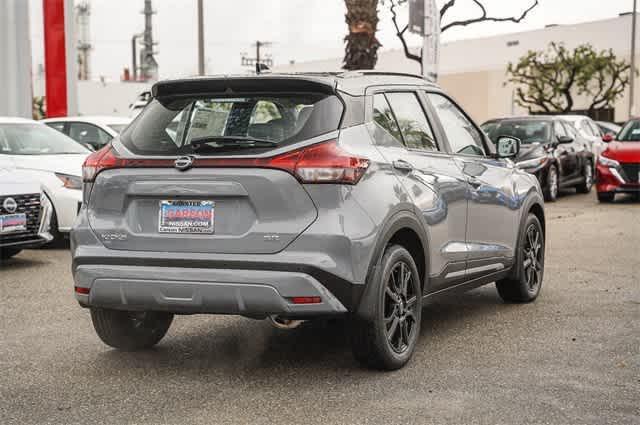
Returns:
<point x="361" y="51"/>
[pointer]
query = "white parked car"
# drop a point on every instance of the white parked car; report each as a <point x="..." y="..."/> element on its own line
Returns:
<point x="25" y="213"/>
<point x="92" y="131"/>
<point x="53" y="159"/>
<point x="588" y="129"/>
<point x="609" y="128"/>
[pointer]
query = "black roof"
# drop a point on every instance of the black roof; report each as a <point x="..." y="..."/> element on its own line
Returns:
<point x="351" y="82"/>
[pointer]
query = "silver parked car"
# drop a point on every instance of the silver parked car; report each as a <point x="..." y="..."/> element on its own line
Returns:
<point x="296" y="197"/>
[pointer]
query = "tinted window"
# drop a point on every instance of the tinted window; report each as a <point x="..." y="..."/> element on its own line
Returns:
<point x="463" y="136"/>
<point x="36" y="139"/>
<point x="528" y="131"/>
<point x="88" y="133"/>
<point x="412" y="121"/>
<point x="383" y="116"/>
<point x="168" y="126"/>
<point x="56" y="126"/>
<point x="630" y="132"/>
<point x="586" y="128"/>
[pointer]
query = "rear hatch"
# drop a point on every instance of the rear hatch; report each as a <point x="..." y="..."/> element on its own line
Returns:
<point x="214" y="172"/>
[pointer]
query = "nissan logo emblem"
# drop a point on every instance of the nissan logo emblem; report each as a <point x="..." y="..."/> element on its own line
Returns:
<point x="183" y="163"/>
<point x="10" y="205"/>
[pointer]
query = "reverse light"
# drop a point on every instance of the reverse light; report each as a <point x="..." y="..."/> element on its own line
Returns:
<point x="70" y="182"/>
<point x="324" y="162"/>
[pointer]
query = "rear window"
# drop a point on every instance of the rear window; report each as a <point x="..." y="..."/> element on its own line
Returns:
<point x="201" y="125"/>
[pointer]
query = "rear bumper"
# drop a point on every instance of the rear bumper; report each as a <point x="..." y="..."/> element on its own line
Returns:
<point x="203" y="290"/>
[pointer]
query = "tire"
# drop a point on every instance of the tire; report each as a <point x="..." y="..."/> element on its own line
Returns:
<point x="553" y="184"/>
<point x="525" y="286"/>
<point x="587" y="184"/>
<point x="606" y="197"/>
<point x="6" y="253"/>
<point x="388" y="341"/>
<point x="128" y="330"/>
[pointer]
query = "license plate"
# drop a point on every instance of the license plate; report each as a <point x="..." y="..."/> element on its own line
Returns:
<point x="10" y="223"/>
<point x="186" y="217"/>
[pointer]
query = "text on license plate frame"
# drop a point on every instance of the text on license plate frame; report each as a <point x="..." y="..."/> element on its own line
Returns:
<point x="186" y="216"/>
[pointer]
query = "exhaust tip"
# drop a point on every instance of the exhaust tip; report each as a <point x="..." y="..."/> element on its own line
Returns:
<point x="282" y="323"/>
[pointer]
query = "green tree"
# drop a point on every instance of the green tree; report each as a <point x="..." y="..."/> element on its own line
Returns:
<point x="548" y="81"/>
<point x="361" y="50"/>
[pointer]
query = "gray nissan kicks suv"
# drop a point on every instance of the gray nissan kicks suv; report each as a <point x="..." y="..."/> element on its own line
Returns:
<point x="294" y="197"/>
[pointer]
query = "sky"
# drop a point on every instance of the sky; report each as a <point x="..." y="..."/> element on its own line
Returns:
<point x="300" y="30"/>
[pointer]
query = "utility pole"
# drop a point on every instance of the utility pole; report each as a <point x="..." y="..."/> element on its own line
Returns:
<point x="200" y="39"/>
<point x="260" y="61"/>
<point x="148" y="64"/>
<point x="83" y="16"/>
<point x="632" y="85"/>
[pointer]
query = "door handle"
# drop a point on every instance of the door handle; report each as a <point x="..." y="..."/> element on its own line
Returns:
<point x="402" y="165"/>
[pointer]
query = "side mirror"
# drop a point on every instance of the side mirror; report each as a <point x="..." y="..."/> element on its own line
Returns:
<point x="607" y="138"/>
<point x="563" y="140"/>
<point x="507" y="147"/>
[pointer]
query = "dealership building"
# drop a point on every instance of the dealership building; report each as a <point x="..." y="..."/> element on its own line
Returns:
<point x="474" y="71"/>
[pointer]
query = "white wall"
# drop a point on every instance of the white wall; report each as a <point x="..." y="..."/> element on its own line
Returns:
<point x="107" y="98"/>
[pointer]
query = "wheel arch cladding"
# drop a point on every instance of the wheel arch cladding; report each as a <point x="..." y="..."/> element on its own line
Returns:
<point x="402" y="229"/>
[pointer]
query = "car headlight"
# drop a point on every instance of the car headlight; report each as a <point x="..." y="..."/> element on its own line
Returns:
<point x="607" y="162"/>
<point x="70" y="182"/>
<point x="532" y="163"/>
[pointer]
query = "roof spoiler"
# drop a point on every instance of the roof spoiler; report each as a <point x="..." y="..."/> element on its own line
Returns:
<point x="240" y="85"/>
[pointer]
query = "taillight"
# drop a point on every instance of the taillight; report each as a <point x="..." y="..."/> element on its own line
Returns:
<point x="324" y="162"/>
<point x="328" y="163"/>
<point x="97" y="162"/>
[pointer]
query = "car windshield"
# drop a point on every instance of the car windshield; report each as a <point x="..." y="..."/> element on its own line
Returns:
<point x="36" y="139"/>
<point x="117" y="127"/>
<point x="211" y="125"/>
<point x="528" y="131"/>
<point x="630" y="132"/>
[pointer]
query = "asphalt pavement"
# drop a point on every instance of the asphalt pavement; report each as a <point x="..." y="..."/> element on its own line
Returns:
<point x="572" y="357"/>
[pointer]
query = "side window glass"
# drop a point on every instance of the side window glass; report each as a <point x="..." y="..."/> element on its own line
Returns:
<point x="595" y="129"/>
<point x="559" y="129"/>
<point x="89" y="134"/>
<point x="56" y="126"/>
<point x="412" y="121"/>
<point x="463" y="136"/>
<point x="383" y="116"/>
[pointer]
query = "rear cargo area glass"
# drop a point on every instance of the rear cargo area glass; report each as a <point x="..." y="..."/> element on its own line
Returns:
<point x="168" y="126"/>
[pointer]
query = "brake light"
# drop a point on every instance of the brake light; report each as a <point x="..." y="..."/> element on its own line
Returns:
<point x="328" y="163"/>
<point x="324" y="162"/>
<point x="96" y="162"/>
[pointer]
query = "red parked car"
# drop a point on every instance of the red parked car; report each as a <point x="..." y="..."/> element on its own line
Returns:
<point x="618" y="169"/>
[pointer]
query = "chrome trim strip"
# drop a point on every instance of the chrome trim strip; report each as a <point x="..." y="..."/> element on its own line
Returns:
<point x="493" y="267"/>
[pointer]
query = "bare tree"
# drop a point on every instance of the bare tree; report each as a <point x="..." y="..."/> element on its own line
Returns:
<point x="484" y="17"/>
<point x="361" y="50"/>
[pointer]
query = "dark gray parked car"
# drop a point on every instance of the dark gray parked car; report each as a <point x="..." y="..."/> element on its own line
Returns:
<point x="296" y="197"/>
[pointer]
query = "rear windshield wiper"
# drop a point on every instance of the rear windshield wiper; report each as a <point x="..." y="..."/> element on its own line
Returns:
<point x="231" y="142"/>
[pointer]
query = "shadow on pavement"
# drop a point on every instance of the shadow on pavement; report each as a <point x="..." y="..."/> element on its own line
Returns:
<point x="245" y="346"/>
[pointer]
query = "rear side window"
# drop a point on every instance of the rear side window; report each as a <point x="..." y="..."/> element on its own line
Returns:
<point x="412" y="121"/>
<point x="175" y="126"/>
